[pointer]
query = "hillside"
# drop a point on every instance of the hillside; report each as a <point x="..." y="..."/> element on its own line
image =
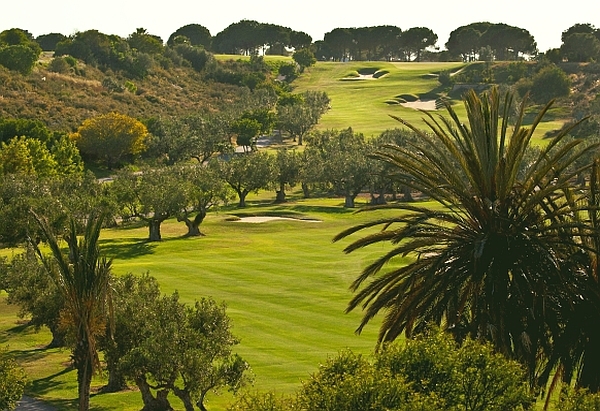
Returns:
<point x="363" y="94"/>
<point x="63" y="101"/>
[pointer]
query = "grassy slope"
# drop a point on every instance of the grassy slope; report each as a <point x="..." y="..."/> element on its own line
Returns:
<point x="285" y="284"/>
<point x="362" y="104"/>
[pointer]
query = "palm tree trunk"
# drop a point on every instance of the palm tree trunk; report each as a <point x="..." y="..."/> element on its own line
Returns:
<point x="83" y="363"/>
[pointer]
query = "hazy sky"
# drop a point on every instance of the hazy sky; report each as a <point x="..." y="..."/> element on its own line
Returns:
<point x="545" y="20"/>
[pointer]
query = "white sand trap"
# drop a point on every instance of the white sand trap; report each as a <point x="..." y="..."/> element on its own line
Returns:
<point x="264" y="219"/>
<point x="365" y="77"/>
<point x="428" y="105"/>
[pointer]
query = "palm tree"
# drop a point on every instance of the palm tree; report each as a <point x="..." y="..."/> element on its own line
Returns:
<point x="489" y="263"/>
<point x="574" y="349"/>
<point x="83" y="278"/>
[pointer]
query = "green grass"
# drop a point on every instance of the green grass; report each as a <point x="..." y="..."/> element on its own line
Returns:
<point x="366" y="105"/>
<point x="285" y="284"/>
<point x="361" y="104"/>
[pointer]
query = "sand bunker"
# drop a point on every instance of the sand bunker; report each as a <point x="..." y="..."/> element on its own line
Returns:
<point x="264" y="219"/>
<point x="428" y="105"/>
<point x="366" y="75"/>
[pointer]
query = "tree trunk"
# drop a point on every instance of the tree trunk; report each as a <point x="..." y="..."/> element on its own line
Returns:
<point x="377" y="200"/>
<point x="154" y="230"/>
<point x="116" y="380"/>
<point x="200" y="403"/>
<point x="300" y="139"/>
<point x="581" y="180"/>
<point x="151" y="403"/>
<point x="184" y="396"/>
<point x="83" y="364"/>
<point x="193" y="226"/>
<point x="305" y="190"/>
<point x="242" y="195"/>
<point x="349" y="201"/>
<point x="280" y="198"/>
<point x="280" y="194"/>
<point x="58" y="337"/>
<point x="406" y="194"/>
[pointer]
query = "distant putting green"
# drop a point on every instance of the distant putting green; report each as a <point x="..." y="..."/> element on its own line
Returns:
<point x="365" y="94"/>
<point x="365" y="102"/>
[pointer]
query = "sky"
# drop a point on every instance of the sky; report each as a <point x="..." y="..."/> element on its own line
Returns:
<point x="545" y="20"/>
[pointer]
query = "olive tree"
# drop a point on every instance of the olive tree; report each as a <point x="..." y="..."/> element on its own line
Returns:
<point x="152" y="195"/>
<point x="205" y="189"/>
<point x="199" y="358"/>
<point x="30" y="288"/>
<point x="247" y="173"/>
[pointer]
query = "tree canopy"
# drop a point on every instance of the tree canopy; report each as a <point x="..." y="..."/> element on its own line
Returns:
<point x="196" y="34"/>
<point x="200" y="341"/>
<point x="505" y="42"/>
<point x="111" y="137"/>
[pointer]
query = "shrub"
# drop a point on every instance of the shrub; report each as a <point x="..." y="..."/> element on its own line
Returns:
<point x="550" y="82"/>
<point x="19" y="58"/>
<point x="72" y="61"/>
<point x="578" y="400"/>
<point x="197" y="56"/>
<point x="428" y="373"/>
<point x="12" y="382"/>
<point x="112" y="85"/>
<point x="131" y="87"/>
<point x="268" y="401"/>
<point x="350" y="382"/>
<point x="59" y="65"/>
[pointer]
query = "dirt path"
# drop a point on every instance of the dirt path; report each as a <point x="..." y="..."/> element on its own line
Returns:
<point x="31" y="404"/>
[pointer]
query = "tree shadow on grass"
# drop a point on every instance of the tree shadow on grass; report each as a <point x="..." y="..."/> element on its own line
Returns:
<point x="321" y="209"/>
<point x="27" y="356"/>
<point x="120" y="250"/>
<point x="47" y="384"/>
<point x="24" y="328"/>
<point x="7" y="334"/>
<point x="68" y="404"/>
<point x="72" y="404"/>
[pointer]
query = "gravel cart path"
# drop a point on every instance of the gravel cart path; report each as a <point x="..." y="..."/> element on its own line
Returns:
<point x="31" y="404"/>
